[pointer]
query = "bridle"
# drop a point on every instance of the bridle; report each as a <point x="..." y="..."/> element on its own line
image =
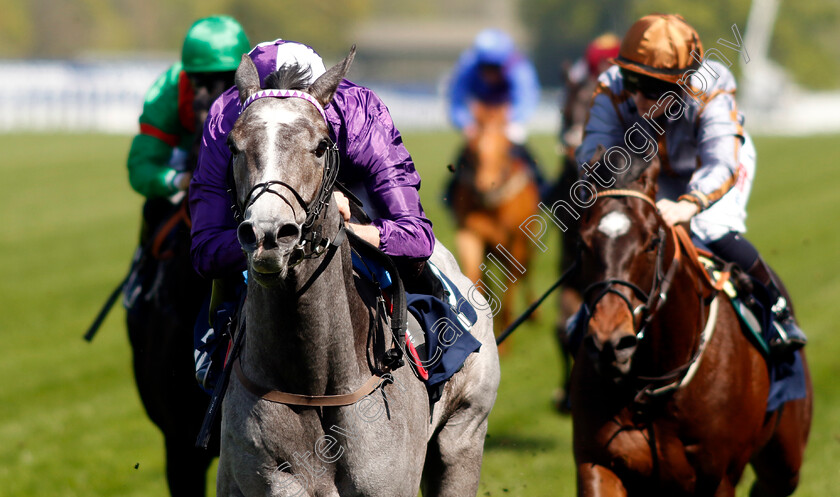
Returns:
<point x="658" y="293"/>
<point x="312" y="242"/>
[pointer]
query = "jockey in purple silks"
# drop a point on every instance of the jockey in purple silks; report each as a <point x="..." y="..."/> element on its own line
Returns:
<point x="372" y="155"/>
<point x="374" y="164"/>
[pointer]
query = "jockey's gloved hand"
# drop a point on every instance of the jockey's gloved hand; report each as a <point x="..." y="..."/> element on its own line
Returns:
<point x="181" y="181"/>
<point x="674" y="213"/>
<point x="517" y="133"/>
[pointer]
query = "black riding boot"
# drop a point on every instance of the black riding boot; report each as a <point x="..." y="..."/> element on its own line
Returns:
<point x="790" y="336"/>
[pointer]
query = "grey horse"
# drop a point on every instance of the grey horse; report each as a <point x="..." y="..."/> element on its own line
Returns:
<point x="307" y="333"/>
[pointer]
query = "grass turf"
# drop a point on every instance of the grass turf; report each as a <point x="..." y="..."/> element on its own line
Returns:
<point x="71" y="423"/>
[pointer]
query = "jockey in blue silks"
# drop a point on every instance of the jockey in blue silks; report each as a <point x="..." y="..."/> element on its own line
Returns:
<point x="493" y="71"/>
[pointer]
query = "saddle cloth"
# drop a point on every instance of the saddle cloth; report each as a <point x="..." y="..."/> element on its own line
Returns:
<point x="787" y="374"/>
<point x="440" y="341"/>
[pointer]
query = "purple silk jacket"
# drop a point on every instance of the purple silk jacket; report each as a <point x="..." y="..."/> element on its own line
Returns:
<point x="372" y="155"/>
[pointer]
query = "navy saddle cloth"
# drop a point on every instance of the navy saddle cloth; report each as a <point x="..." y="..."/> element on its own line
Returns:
<point x="446" y="323"/>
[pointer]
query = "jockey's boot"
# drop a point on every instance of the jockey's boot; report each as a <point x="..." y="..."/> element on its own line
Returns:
<point x="790" y="335"/>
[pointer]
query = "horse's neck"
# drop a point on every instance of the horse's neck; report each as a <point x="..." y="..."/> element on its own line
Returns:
<point x="305" y="343"/>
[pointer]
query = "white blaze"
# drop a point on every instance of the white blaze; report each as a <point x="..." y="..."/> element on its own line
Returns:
<point x="269" y="206"/>
<point x="614" y="224"/>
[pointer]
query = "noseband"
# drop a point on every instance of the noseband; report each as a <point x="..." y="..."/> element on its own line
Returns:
<point x="661" y="282"/>
<point x="312" y="242"/>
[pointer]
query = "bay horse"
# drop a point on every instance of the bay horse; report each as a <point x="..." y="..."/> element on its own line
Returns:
<point x="160" y="321"/>
<point x="328" y="423"/>
<point x="668" y="395"/>
<point x="493" y="194"/>
<point x="163" y="301"/>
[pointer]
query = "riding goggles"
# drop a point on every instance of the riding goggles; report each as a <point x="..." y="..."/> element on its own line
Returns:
<point x="650" y="88"/>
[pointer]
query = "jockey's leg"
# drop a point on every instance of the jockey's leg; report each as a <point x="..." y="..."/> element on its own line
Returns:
<point x="733" y="247"/>
<point x="213" y="329"/>
<point x="721" y="227"/>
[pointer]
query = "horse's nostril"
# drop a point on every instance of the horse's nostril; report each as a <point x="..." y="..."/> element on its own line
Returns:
<point x="246" y="234"/>
<point x="287" y="233"/>
<point x="626" y="342"/>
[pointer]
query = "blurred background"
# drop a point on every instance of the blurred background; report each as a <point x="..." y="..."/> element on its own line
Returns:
<point x="96" y="58"/>
<point x="72" y="78"/>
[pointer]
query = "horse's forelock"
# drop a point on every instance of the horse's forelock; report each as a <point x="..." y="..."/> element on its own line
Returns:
<point x="289" y="77"/>
<point x="627" y="179"/>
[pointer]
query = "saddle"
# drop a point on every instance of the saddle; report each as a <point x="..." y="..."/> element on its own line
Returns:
<point x="753" y="303"/>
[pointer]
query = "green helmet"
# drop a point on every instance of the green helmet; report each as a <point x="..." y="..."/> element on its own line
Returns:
<point x="214" y="44"/>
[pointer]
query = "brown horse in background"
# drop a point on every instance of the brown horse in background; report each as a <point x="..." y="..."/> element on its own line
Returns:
<point x="668" y="395"/>
<point x="493" y="194"/>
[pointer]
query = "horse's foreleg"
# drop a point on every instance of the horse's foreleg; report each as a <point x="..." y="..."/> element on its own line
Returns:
<point x="453" y="459"/>
<point x="777" y="464"/>
<point x="597" y="481"/>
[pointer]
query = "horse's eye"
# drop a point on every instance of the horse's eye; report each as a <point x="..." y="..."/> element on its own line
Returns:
<point x="232" y="146"/>
<point x="321" y="148"/>
<point x="654" y="244"/>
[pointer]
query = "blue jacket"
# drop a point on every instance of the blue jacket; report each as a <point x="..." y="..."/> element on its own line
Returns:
<point x="520" y="88"/>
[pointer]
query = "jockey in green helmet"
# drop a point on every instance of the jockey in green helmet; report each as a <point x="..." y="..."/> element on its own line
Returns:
<point x="162" y="155"/>
<point x="161" y="160"/>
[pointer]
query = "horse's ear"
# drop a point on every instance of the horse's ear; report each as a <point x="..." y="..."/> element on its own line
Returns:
<point x="649" y="178"/>
<point x="247" y="78"/>
<point x="324" y="87"/>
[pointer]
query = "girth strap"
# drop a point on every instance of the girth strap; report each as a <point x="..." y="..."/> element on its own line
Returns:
<point x="308" y="400"/>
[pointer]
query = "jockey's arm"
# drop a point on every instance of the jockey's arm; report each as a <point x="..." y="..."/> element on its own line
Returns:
<point x="459" y="95"/>
<point x="215" y="251"/>
<point x="604" y="126"/>
<point x="719" y="140"/>
<point x="149" y="171"/>
<point x="375" y="153"/>
<point x="525" y="91"/>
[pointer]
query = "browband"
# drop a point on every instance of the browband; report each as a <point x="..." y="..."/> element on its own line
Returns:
<point x="284" y="94"/>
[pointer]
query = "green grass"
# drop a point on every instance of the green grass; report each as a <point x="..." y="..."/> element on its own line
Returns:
<point x="71" y="423"/>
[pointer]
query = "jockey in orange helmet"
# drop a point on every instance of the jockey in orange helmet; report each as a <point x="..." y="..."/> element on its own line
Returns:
<point x="682" y="106"/>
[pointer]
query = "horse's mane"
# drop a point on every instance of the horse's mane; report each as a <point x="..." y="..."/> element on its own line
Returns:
<point x="289" y="77"/>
